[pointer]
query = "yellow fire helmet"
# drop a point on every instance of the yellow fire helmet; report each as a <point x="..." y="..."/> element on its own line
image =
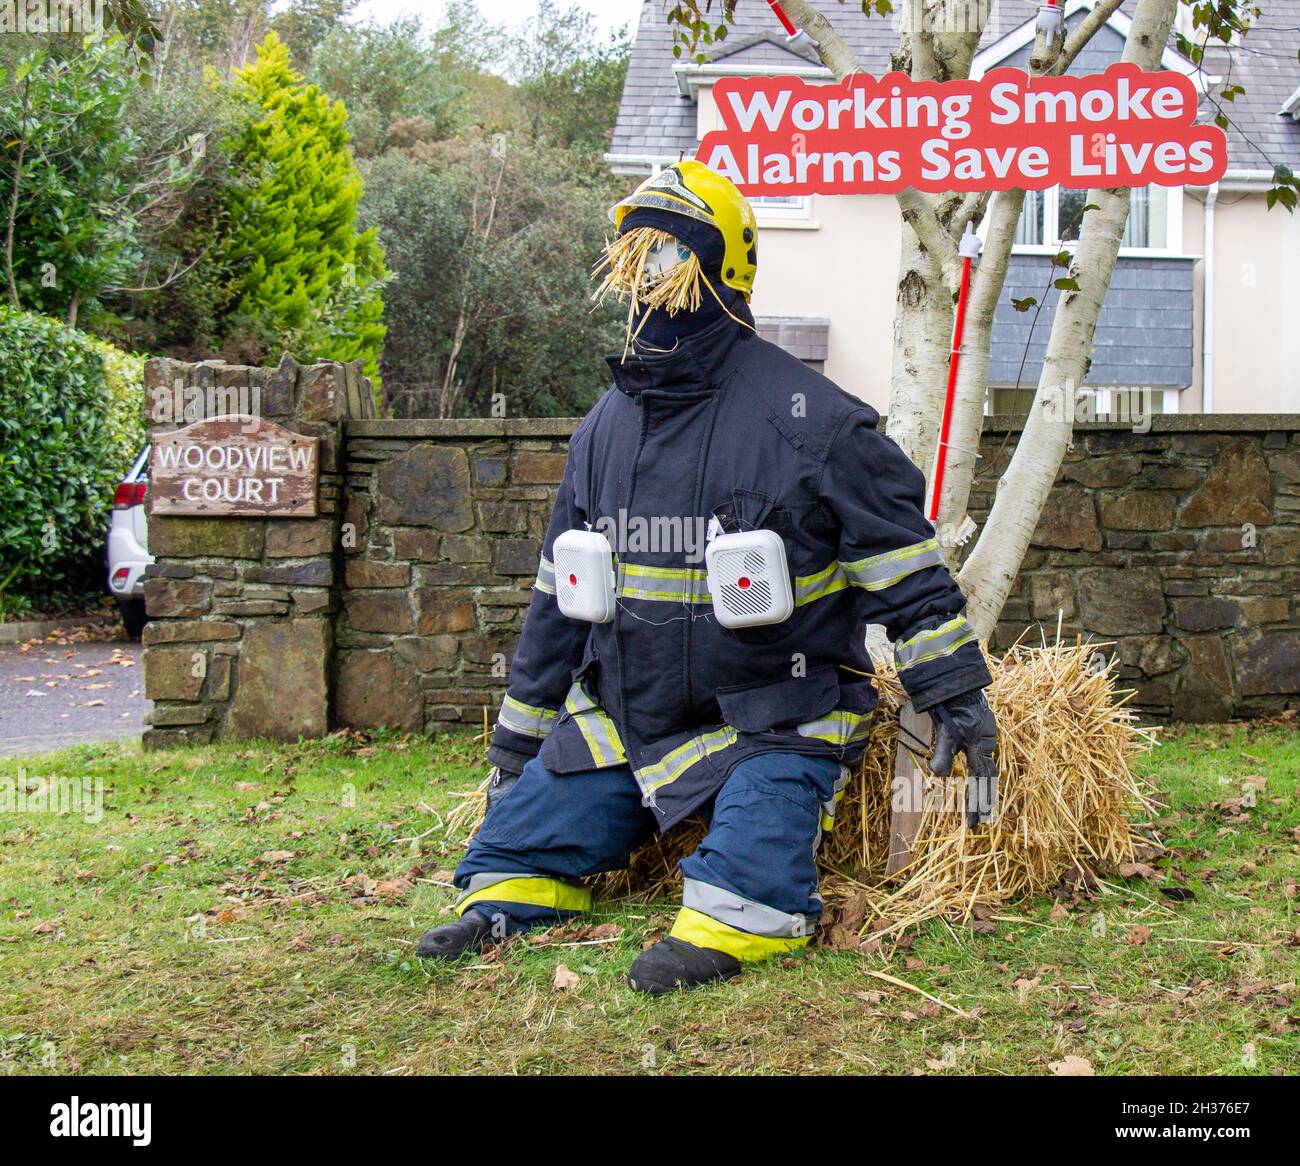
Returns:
<point x="690" y="188"/>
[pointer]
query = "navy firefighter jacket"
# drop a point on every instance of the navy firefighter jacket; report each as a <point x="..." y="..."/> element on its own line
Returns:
<point x="729" y="433"/>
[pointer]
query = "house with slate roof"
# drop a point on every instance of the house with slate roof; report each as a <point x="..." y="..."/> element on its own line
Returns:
<point x="1203" y="313"/>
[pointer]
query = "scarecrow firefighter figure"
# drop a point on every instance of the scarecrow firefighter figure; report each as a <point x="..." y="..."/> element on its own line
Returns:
<point x="611" y="730"/>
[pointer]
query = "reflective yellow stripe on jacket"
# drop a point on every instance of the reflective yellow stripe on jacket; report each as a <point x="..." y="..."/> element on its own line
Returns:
<point x="526" y="719"/>
<point x="597" y="728"/>
<point x="690" y="584"/>
<point x="675" y="763"/>
<point x="930" y="645"/>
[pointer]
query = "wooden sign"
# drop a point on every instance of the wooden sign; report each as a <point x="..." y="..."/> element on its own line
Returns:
<point x="234" y="464"/>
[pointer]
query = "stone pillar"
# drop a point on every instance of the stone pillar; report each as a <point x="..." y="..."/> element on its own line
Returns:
<point x="241" y="609"/>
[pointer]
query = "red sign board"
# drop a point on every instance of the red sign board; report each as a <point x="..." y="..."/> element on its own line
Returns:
<point x="868" y="135"/>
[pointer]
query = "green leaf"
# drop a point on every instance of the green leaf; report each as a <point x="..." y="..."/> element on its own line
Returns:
<point x="1025" y="304"/>
<point x="1066" y="284"/>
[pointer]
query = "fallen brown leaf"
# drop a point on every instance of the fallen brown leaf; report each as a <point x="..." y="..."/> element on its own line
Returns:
<point x="1071" y="1066"/>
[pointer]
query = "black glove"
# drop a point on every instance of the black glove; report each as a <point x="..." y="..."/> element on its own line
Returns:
<point x="967" y="723"/>
<point x="500" y="783"/>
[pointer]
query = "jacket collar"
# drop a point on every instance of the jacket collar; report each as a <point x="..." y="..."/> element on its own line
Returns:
<point x="697" y="363"/>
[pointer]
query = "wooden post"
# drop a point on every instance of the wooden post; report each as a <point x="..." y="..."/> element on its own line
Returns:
<point x="908" y="788"/>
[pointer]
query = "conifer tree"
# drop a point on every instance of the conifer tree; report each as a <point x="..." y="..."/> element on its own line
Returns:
<point x="305" y="278"/>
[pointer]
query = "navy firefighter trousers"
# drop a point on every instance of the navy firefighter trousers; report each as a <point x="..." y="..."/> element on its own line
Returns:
<point x="750" y="889"/>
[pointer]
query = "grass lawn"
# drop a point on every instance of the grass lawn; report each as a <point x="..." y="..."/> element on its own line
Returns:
<point x="254" y="910"/>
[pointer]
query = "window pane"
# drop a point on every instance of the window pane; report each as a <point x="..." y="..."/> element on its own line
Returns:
<point x="1029" y="230"/>
<point x="1137" y="228"/>
<point x="1158" y="218"/>
<point x="1010" y="402"/>
<point x="1134" y="404"/>
<point x="1070" y="212"/>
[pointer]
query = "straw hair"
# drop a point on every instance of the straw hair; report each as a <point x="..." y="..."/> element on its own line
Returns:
<point x="623" y="261"/>
<point x="1068" y="803"/>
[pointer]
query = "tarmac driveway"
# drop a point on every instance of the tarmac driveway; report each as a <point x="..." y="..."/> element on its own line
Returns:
<point x="54" y="695"/>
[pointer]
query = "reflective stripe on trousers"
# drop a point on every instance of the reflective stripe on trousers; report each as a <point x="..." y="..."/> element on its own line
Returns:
<point x="526" y="889"/>
<point x="715" y="918"/>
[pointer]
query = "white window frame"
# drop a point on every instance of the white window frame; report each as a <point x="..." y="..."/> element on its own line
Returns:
<point x="794" y="213"/>
<point x="1171" y="394"/>
<point x="1171" y="249"/>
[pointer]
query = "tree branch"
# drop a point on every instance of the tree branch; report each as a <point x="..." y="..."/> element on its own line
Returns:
<point x="1084" y="31"/>
<point x="831" y="47"/>
<point x="991" y="570"/>
<point x="919" y="214"/>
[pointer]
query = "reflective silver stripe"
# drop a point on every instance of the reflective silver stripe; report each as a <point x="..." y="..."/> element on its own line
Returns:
<point x="545" y="581"/>
<point x="881" y="571"/>
<point x="742" y="914"/>
<point x="672" y="765"/>
<point x="829" y="807"/>
<point x="663" y="584"/>
<point x="827" y="581"/>
<point x="597" y="728"/>
<point x="479" y="881"/>
<point x="525" y="719"/>
<point x="940" y="641"/>
<point x="839" y="727"/>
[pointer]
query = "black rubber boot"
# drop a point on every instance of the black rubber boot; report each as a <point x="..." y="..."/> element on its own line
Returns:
<point x="470" y="933"/>
<point x="674" y="963"/>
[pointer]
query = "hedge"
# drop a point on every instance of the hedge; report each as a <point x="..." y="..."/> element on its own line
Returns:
<point x="70" y="426"/>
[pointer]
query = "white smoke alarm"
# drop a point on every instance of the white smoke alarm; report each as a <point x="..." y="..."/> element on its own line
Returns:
<point x="748" y="579"/>
<point x="584" y="575"/>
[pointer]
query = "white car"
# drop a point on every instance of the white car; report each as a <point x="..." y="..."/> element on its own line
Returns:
<point x="128" y="546"/>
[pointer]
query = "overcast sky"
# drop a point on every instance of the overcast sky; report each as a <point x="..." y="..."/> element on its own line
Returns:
<point x="609" y="14"/>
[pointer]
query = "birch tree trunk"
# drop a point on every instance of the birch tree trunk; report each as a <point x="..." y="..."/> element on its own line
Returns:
<point x="990" y="572"/>
<point x="942" y="49"/>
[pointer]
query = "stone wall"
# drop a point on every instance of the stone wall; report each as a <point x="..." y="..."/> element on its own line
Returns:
<point x="401" y="603"/>
<point x="447" y="519"/>
<point x="1180" y="545"/>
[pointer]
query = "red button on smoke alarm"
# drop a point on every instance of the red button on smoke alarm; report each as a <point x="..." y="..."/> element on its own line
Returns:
<point x="573" y="580"/>
<point x="743" y="582"/>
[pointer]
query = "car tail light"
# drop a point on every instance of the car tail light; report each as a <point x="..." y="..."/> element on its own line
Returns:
<point x="129" y="494"/>
<point x="120" y="577"/>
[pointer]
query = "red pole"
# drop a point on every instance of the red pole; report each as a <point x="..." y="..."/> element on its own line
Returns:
<point x="786" y="22"/>
<point x="969" y="248"/>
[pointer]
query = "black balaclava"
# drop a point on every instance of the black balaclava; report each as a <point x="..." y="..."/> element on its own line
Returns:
<point x="661" y="330"/>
